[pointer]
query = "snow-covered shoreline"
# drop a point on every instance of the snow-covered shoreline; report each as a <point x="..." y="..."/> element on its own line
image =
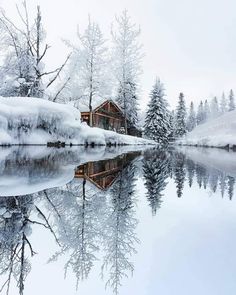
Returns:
<point x="34" y="121"/>
<point x="219" y="132"/>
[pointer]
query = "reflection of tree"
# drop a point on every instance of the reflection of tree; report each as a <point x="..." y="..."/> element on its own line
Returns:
<point x="213" y="179"/>
<point x="14" y="242"/>
<point x="120" y="239"/>
<point x="155" y="171"/>
<point x="190" y="166"/>
<point x="202" y="176"/>
<point x="222" y="183"/>
<point x="179" y="173"/>
<point x="78" y="210"/>
<point x="231" y="183"/>
<point x="15" y="228"/>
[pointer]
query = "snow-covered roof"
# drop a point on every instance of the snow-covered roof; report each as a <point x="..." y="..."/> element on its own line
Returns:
<point x="83" y="104"/>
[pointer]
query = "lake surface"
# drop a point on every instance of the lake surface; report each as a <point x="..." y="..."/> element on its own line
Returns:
<point x="117" y="221"/>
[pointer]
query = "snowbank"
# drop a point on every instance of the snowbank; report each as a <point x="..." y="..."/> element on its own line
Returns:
<point x="27" y="120"/>
<point x="218" y="132"/>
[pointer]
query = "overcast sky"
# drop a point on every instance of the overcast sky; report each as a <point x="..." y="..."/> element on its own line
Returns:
<point x="189" y="44"/>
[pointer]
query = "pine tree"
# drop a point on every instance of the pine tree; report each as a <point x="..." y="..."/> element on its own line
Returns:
<point x="206" y="110"/>
<point x="223" y="104"/>
<point x="200" y="113"/>
<point x="172" y="125"/>
<point x="180" y="128"/>
<point x="157" y="122"/>
<point x="214" y="107"/>
<point x="231" y="101"/>
<point x="191" y="121"/>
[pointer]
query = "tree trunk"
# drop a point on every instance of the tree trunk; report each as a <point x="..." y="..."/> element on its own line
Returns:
<point x="90" y="111"/>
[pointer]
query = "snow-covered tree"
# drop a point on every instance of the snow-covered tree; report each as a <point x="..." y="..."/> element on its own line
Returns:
<point x="181" y="114"/>
<point x="172" y="125"/>
<point x="87" y="78"/>
<point x="191" y="120"/>
<point x="223" y="104"/>
<point x="157" y="122"/>
<point x="214" y="107"/>
<point x="155" y="172"/>
<point x="23" y="51"/>
<point x="200" y="114"/>
<point x="231" y="101"/>
<point x="127" y="55"/>
<point x="207" y="110"/>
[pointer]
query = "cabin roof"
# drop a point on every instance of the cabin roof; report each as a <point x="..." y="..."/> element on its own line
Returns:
<point x="83" y="105"/>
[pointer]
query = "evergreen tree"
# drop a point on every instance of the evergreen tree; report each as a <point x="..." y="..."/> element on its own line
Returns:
<point x="223" y="104"/>
<point x="191" y="121"/>
<point x="214" y="107"/>
<point x="180" y="128"/>
<point x="172" y="125"/>
<point x="206" y="110"/>
<point x="155" y="169"/>
<point x="231" y="101"/>
<point x="157" y="122"/>
<point x="200" y="113"/>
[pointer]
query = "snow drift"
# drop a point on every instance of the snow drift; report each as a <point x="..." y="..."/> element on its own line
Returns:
<point x="27" y="120"/>
<point x="219" y="132"/>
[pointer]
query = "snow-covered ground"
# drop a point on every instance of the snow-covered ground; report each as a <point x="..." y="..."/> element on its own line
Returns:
<point x="218" y="132"/>
<point x="27" y="120"/>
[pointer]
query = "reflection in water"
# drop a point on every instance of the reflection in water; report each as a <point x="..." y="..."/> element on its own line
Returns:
<point x="94" y="215"/>
<point x="15" y="245"/>
<point x="155" y="172"/>
<point x="120" y="237"/>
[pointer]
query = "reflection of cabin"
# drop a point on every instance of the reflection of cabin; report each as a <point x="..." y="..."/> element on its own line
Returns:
<point x="107" y="115"/>
<point x="104" y="173"/>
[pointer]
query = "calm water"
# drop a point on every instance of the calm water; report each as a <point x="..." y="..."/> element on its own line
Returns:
<point x="115" y="221"/>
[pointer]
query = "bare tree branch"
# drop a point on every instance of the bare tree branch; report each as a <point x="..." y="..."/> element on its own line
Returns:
<point x="59" y="71"/>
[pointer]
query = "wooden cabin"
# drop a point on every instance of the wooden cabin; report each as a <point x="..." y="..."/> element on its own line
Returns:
<point x="106" y="115"/>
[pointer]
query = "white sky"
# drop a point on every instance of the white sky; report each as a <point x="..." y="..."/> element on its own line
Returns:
<point x="189" y="44"/>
